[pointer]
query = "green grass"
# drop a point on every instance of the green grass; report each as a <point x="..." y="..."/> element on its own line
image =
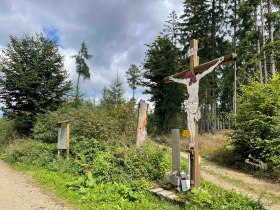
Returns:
<point x="99" y="176"/>
<point x="102" y="196"/>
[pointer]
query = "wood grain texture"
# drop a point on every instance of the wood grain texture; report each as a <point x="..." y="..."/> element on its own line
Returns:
<point x="230" y="58"/>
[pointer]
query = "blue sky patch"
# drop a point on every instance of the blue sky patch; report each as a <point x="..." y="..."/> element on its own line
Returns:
<point x="52" y="34"/>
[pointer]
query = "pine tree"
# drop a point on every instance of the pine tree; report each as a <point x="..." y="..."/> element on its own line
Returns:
<point x="162" y="60"/>
<point x="34" y="79"/>
<point x="205" y="21"/>
<point x="114" y="95"/>
<point x="171" y="27"/>
<point x="134" y="78"/>
<point x="81" y="68"/>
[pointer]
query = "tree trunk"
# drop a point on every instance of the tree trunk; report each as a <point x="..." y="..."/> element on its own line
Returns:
<point x="78" y="87"/>
<point x="270" y="32"/>
<point x="133" y="94"/>
<point x="263" y="40"/>
<point x="234" y="43"/>
<point x="258" y="46"/>
<point x="213" y="47"/>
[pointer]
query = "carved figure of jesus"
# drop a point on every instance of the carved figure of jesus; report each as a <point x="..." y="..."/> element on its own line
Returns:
<point x="192" y="82"/>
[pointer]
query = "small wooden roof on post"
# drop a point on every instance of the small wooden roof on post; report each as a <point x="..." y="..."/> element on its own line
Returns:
<point x="63" y="123"/>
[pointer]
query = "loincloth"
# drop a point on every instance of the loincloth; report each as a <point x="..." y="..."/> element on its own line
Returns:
<point x="192" y="108"/>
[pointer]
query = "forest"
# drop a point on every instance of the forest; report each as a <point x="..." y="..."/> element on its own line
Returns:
<point x="240" y="113"/>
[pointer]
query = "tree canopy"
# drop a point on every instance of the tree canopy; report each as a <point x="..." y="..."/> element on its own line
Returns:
<point x="34" y="78"/>
<point x="81" y="68"/>
<point x="162" y="59"/>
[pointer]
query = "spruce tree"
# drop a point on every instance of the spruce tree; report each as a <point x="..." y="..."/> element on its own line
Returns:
<point x="134" y="78"/>
<point x="114" y="94"/>
<point x="34" y="79"/>
<point x="205" y="21"/>
<point x="81" y="68"/>
<point x="161" y="61"/>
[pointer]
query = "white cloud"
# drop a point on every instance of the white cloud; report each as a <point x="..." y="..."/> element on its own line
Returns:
<point x="115" y="32"/>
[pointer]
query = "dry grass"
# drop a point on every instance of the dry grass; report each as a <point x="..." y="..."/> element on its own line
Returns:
<point x="209" y="143"/>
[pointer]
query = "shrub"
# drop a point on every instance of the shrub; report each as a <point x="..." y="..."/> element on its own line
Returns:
<point x="7" y="131"/>
<point x="31" y="153"/>
<point x="257" y="129"/>
<point x="98" y="123"/>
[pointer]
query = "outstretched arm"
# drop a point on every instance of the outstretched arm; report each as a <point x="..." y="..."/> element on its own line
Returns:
<point x="183" y="81"/>
<point x="199" y="76"/>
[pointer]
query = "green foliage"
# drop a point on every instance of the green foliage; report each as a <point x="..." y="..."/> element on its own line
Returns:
<point x="100" y="176"/>
<point x="90" y="122"/>
<point x="7" y="131"/>
<point x="31" y="152"/>
<point x="171" y="28"/>
<point x="81" y="68"/>
<point x="161" y="61"/>
<point x="133" y="77"/>
<point x="114" y="95"/>
<point x="257" y="128"/>
<point x="34" y="79"/>
<point x="213" y="197"/>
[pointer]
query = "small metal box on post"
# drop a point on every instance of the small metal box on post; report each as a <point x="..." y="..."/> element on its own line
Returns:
<point x="63" y="141"/>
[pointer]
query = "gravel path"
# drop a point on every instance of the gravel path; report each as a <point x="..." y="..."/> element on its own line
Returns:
<point x="19" y="192"/>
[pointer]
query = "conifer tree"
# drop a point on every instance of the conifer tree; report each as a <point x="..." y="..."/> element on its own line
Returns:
<point x="162" y="60"/>
<point x="81" y="68"/>
<point x="134" y="78"/>
<point x="34" y="79"/>
<point x="171" y="27"/>
<point x="205" y="21"/>
<point x="114" y="94"/>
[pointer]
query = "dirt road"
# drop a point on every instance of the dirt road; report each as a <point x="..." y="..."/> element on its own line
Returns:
<point x="19" y="192"/>
<point x="268" y="193"/>
<point x="247" y="185"/>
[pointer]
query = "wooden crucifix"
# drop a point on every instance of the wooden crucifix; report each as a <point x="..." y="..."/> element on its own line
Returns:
<point x="191" y="79"/>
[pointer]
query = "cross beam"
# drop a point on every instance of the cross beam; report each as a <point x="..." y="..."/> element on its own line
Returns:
<point x="201" y="68"/>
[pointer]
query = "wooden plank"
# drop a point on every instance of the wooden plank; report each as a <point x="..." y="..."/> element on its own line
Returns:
<point x="157" y="190"/>
<point x="63" y="122"/>
<point x="201" y="68"/>
<point x="196" y="160"/>
<point x="194" y="57"/>
<point x="68" y="140"/>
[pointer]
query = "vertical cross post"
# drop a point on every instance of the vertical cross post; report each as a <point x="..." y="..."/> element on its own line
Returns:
<point x="194" y="156"/>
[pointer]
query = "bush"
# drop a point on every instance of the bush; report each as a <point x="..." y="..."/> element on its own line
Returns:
<point x="31" y="153"/>
<point x="257" y="129"/>
<point x="98" y="123"/>
<point x="7" y="131"/>
<point x="102" y="177"/>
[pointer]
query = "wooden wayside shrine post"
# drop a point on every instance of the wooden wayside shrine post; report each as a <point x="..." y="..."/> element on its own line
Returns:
<point x="141" y="135"/>
<point x="195" y="68"/>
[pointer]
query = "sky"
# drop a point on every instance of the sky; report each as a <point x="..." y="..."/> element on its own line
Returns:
<point x="115" y="31"/>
